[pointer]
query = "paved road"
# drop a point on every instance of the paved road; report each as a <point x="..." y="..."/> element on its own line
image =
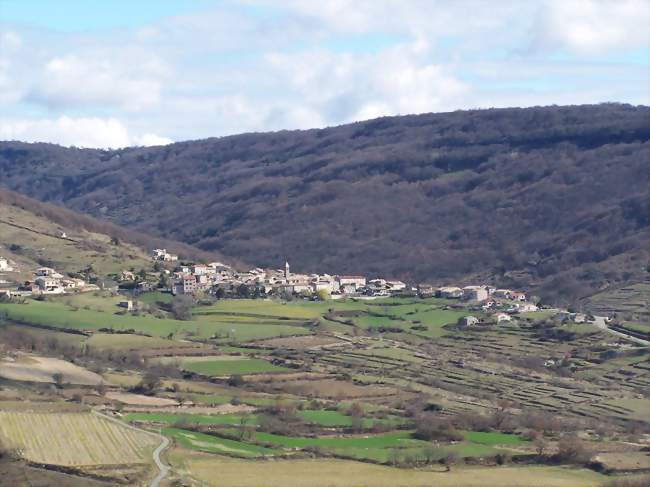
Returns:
<point x="601" y="322"/>
<point x="164" y="443"/>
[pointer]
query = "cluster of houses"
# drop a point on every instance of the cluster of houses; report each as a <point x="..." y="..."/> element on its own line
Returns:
<point x="220" y="279"/>
<point x="499" y="303"/>
<point x="46" y="281"/>
<point x="489" y="298"/>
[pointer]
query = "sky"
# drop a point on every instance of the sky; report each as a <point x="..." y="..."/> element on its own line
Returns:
<point x="109" y="74"/>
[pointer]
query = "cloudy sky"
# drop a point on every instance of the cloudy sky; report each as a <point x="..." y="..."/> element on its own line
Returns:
<point x="98" y="73"/>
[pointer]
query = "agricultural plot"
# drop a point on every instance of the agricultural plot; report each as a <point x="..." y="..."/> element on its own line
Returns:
<point x="34" y="368"/>
<point x="376" y="448"/>
<point x="199" y="419"/>
<point x="212" y="444"/>
<point x="56" y="314"/>
<point x="74" y="439"/>
<point x="336" y="419"/>
<point x="229" y="365"/>
<point x="342" y="473"/>
<point x="123" y="341"/>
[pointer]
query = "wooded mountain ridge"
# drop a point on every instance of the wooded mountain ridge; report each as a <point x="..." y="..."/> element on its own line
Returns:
<point x="552" y="199"/>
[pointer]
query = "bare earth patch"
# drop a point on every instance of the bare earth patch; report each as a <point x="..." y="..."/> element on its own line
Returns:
<point x="625" y="461"/>
<point x="221" y="409"/>
<point x="301" y="342"/>
<point x="139" y="399"/>
<point x="41" y="369"/>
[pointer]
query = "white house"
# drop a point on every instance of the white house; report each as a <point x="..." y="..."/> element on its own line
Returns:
<point x="525" y="307"/>
<point x="162" y="254"/>
<point x="501" y="317"/>
<point x="48" y="272"/>
<point x="4" y="265"/>
<point x="49" y="285"/>
<point x="199" y="270"/>
<point x="73" y="283"/>
<point x="396" y="285"/>
<point x="351" y="281"/>
<point x="468" y="321"/>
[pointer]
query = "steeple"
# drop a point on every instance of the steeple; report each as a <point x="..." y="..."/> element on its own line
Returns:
<point x="286" y="270"/>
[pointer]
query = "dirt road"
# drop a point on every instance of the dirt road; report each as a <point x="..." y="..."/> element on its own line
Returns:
<point x="164" y="443"/>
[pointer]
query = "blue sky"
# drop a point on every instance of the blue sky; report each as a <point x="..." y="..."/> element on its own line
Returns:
<point x="101" y="73"/>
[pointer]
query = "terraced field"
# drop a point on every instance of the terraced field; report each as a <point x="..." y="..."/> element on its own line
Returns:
<point x="74" y="439"/>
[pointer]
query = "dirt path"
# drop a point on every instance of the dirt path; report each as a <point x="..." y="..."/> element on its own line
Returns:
<point x="164" y="443"/>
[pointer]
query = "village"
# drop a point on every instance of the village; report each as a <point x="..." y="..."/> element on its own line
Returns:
<point x="217" y="280"/>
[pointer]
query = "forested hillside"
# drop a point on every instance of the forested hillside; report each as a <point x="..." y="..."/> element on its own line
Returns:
<point x="556" y="199"/>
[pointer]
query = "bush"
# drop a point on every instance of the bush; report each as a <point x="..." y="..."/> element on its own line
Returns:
<point x="572" y="450"/>
<point x="428" y="428"/>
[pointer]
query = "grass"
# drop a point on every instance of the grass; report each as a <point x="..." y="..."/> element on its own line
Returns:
<point x="231" y="367"/>
<point x="155" y="297"/>
<point x="212" y="444"/>
<point x="484" y="438"/>
<point x="128" y="341"/>
<point x="374" y="448"/>
<point x="124" y="380"/>
<point x="89" y="248"/>
<point x="639" y="409"/>
<point x="334" y="419"/>
<point x="57" y="315"/>
<point x="74" y="439"/>
<point x="345" y="473"/>
<point x="640" y="327"/>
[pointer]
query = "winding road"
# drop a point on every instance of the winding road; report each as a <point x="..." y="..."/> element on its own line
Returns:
<point x="601" y="322"/>
<point x="164" y="443"/>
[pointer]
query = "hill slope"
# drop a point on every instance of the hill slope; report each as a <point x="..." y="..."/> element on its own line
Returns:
<point x="556" y="199"/>
<point x="34" y="234"/>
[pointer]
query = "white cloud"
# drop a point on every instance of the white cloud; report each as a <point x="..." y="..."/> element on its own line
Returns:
<point x="593" y="26"/>
<point x="345" y="88"/>
<point x="80" y="132"/>
<point x="147" y="140"/>
<point x="306" y="63"/>
<point x="10" y="40"/>
<point x="72" y="80"/>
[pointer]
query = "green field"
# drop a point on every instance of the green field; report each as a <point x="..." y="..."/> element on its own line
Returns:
<point x="377" y="448"/>
<point x="406" y="316"/>
<point x="57" y="314"/>
<point x="483" y="438"/>
<point x="127" y="341"/>
<point x="212" y="444"/>
<point x="232" y="366"/>
<point x="155" y="297"/>
<point x="335" y="419"/>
